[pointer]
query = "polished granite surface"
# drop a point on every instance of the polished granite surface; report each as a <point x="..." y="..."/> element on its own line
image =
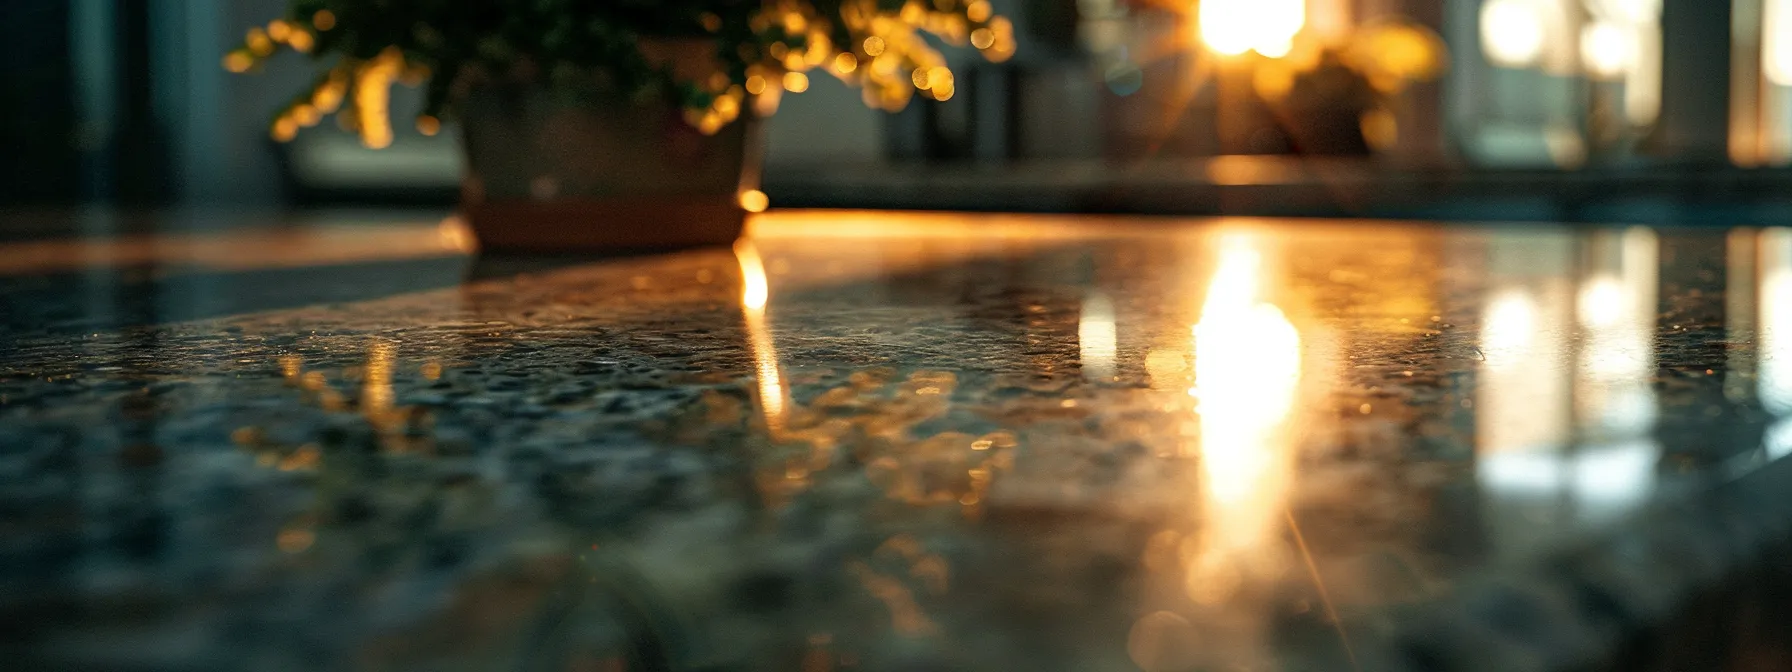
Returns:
<point x="886" y="442"/>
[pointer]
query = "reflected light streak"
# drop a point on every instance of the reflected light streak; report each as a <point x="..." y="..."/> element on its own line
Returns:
<point x="1775" y="345"/>
<point x="376" y="386"/>
<point x="1097" y="337"/>
<point x="1617" y="315"/>
<point x="1602" y="302"/>
<point x="1522" y="410"/>
<point x="1247" y="372"/>
<point x="755" y="292"/>
<point x="1509" y="329"/>
<point x="1530" y="406"/>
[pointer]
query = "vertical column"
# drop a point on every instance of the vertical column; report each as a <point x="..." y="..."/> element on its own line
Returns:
<point x="1695" y="115"/>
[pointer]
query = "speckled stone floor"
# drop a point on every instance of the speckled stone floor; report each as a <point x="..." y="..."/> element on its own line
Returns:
<point x="888" y="442"/>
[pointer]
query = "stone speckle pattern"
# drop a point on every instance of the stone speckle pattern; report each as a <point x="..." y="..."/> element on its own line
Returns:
<point x="1383" y="447"/>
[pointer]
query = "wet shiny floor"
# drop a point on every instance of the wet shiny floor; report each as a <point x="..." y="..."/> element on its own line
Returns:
<point x="879" y="442"/>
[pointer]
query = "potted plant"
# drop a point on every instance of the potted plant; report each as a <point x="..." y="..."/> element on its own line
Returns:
<point x="613" y="124"/>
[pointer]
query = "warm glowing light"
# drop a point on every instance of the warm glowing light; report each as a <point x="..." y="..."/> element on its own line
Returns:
<point x="1233" y="27"/>
<point x="323" y="20"/>
<point x="1247" y="372"/>
<point x="794" y="23"/>
<point x="306" y="115"/>
<point x="428" y="125"/>
<point x="1607" y="49"/>
<point x="983" y="38"/>
<point x="874" y="45"/>
<point x="796" y="82"/>
<point x="1511" y="33"/>
<point x="845" y="63"/>
<point x="1524" y="395"/>
<point x="939" y="82"/>
<point x="755" y="291"/>
<point x="285" y="129"/>
<point x="727" y="107"/>
<point x="301" y="41"/>
<point x="1776" y="45"/>
<point x="754" y="200"/>
<point x="373" y="95"/>
<point x="1617" y="311"/>
<point x="1097" y="337"/>
<point x="1602" y="302"/>
<point x="1394" y="54"/>
<point x="328" y="98"/>
<point x="238" y="61"/>
<point x="456" y="234"/>
<point x="1380" y="129"/>
<point x="258" y="42"/>
<point x="291" y="366"/>
<point x="765" y="104"/>
<point x="1508" y="329"/>
<point x="1247" y="363"/>
<point x="376" y="388"/>
<point x="979" y="11"/>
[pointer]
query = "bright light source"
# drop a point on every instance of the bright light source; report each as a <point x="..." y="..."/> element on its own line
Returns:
<point x="1776" y="45"/>
<point x="1603" y="302"/>
<point x="1247" y="373"/>
<point x="1607" y="50"/>
<point x="754" y="200"/>
<point x="1511" y="33"/>
<point x="1508" y="329"/>
<point x="1233" y="27"/>
<point x="1097" y="337"/>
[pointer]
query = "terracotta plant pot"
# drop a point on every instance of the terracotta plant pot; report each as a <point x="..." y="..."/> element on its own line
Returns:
<point x="550" y="172"/>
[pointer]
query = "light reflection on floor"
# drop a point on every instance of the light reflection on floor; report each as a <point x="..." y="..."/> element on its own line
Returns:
<point x="1266" y="425"/>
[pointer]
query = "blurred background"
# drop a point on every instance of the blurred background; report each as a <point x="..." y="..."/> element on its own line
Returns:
<point x="1641" y="111"/>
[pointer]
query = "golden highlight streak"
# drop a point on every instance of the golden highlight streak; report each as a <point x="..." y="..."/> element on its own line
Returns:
<point x="1097" y="339"/>
<point x="1247" y="373"/>
<point x="376" y="387"/>
<point x="755" y="292"/>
